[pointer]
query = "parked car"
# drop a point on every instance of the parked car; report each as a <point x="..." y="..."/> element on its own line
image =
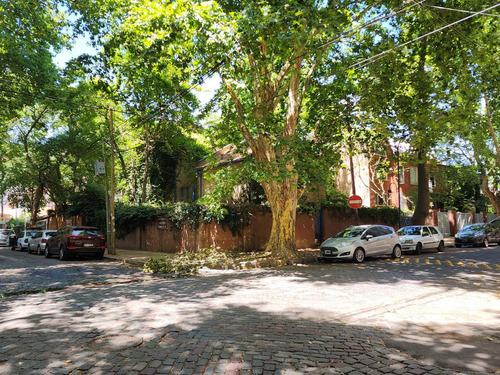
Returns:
<point x="478" y="234"/>
<point x="357" y="242"/>
<point x="38" y="242"/>
<point x="7" y="238"/>
<point x="72" y="241"/>
<point x="24" y="237"/>
<point x="416" y="238"/>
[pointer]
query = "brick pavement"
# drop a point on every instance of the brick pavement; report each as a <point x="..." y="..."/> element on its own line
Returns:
<point x="246" y="322"/>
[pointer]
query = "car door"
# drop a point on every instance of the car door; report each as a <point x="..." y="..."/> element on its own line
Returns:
<point x="372" y="241"/>
<point x="437" y="237"/>
<point x="387" y="239"/>
<point x="427" y="240"/>
<point x="53" y="242"/>
<point x="34" y="241"/>
<point x="495" y="231"/>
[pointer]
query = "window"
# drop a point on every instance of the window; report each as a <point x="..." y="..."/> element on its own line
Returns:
<point x="413" y="175"/>
<point x="401" y="175"/>
<point x="372" y="232"/>
<point x="381" y="200"/>
<point x="425" y="231"/>
<point x="188" y="194"/>
<point x="384" y="230"/>
<point x="433" y="230"/>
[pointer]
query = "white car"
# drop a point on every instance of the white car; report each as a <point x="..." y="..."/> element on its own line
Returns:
<point x="416" y="238"/>
<point x="38" y="242"/>
<point x="23" y="238"/>
<point x="358" y="242"/>
<point x="7" y="237"/>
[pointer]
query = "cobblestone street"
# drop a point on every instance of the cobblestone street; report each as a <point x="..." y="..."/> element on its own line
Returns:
<point x="319" y="319"/>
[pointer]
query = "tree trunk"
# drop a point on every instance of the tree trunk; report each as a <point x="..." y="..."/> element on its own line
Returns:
<point x="283" y="197"/>
<point x="147" y="151"/>
<point x="35" y="206"/>
<point x="492" y="195"/>
<point x="423" y="194"/>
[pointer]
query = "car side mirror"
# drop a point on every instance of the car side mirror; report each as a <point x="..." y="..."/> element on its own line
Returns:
<point x="368" y="236"/>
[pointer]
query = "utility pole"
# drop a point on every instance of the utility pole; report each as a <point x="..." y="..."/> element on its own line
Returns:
<point x="106" y="184"/>
<point x="112" y="248"/>
<point x="353" y="181"/>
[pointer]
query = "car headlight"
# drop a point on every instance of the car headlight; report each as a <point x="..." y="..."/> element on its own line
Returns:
<point x="409" y="241"/>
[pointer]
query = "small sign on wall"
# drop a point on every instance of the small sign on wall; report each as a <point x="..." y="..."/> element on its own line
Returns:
<point x="162" y="223"/>
<point x="99" y="168"/>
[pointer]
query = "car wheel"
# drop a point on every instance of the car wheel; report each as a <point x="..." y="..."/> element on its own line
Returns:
<point x="38" y="251"/>
<point x="62" y="254"/>
<point x="47" y="252"/>
<point x="396" y="252"/>
<point x="486" y="243"/>
<point x="358" y="256"/>
<point x="100" y="256"/>
<point x="28" y="250"/>
<point x="458" y="246"/>
<point x="441" y="247"/>
<point x="418" y="249"/>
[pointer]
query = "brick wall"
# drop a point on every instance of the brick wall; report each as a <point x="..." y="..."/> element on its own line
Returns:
<point x="252" y="237"/>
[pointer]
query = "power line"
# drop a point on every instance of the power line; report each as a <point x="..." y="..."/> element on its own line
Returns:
<point x="378" y="56"/>
<point x="462" y="10"/>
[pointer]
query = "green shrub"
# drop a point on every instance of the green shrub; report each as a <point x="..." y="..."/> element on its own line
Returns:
<point x="187" y="263"/>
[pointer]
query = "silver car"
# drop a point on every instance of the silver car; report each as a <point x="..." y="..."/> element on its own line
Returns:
<point x="38" y="242"/>
<point x="358" y="242"/>
<point x="416" y="238"/>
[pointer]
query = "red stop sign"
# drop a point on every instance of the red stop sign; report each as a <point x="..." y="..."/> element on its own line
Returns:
<point x="355" y="201"/>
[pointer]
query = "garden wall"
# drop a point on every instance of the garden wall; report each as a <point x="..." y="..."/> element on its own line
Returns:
<point x="161" y="236"/>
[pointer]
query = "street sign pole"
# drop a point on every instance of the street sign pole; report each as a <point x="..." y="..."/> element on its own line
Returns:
<point x="355" y="202"/>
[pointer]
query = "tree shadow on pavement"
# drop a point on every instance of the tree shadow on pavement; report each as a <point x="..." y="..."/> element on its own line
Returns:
<point x="265" y="321"/>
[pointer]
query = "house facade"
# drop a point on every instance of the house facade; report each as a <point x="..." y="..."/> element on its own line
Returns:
<point x="398" y="188"/>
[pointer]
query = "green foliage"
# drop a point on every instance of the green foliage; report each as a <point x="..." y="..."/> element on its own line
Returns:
<point x="90" y="204"/>
<point x="187" y="263"/>
<point x="12" y="223"/>
<point x="458" y="188"/>
<point x="128" y="218"/>
<point x="389" y="215"/>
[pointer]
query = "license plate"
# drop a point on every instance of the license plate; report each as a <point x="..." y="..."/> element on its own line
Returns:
<point x="88" y="245"/>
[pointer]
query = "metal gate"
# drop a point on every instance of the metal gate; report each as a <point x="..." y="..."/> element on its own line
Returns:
<point x="478" y="218"/>
<point x="490" y="217"/>
<point x="463" y="219"/>
<point x="444" y="223"/>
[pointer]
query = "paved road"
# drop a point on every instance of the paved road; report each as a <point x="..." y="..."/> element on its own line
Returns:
<point x="20" y="271"/>
<point x="437" y="315"/>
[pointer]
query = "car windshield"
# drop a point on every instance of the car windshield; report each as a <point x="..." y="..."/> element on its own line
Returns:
<point x="409" y="231"/>
<point x="31" y="233"/>
<point x="350" y="232"/>
<point x="86" y="232"/>
<point x="473" y="228"/>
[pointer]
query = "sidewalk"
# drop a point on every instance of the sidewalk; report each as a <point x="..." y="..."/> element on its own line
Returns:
<point x="140" y="257"/>
<point x="135" y="257"/>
